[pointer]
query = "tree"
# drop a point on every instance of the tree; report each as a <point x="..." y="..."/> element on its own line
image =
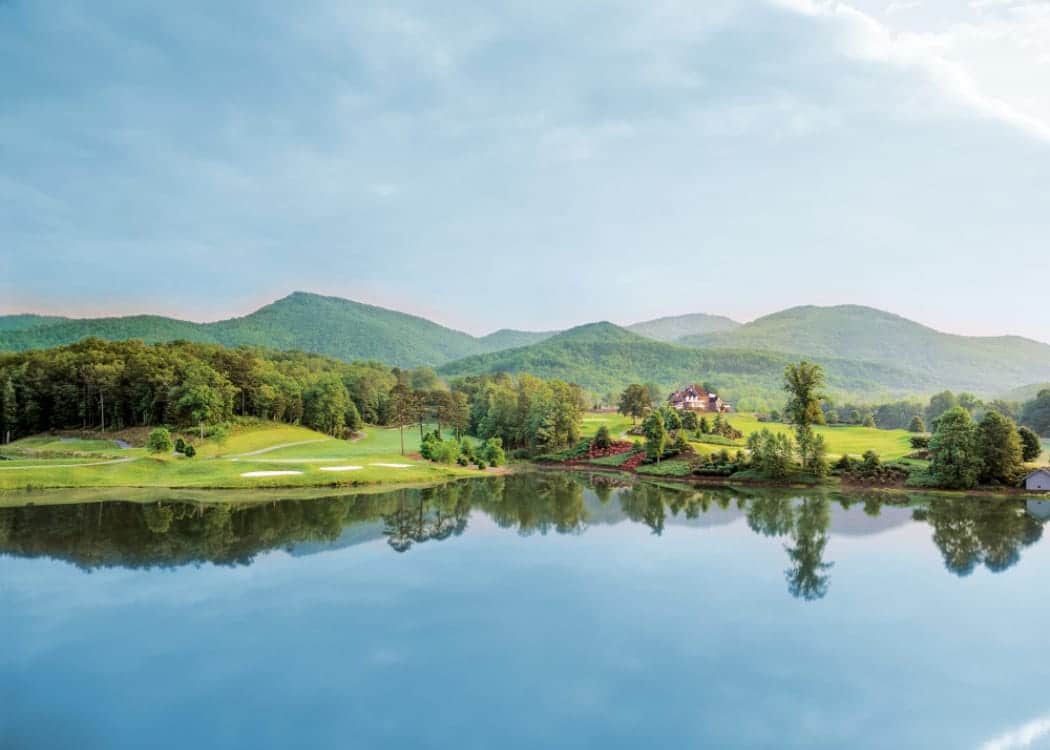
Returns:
<point x="869" y="420"/>
<point x="1031" y="447"/>
<point x="602" y="438"/>
<point x="939" y="404"/>
<point x="1036" y="414"/>
<point x="325" y="405"/>
<point x="917" y="424"/>
<point x="704" y="426"/>
<point x="689" y="421"/>
<point x="804" y="384"/>
<point x="955" y="456"/>
<point x="771" y="453"/>
<point x="203" y="396"/>
<point x="635" y="402"/>
<point x="159" y="441"/>
<point x="8" y="410"/>
<point x="492" y="452"/>
<point x="655" y="436"/>
<point x="399" y="400"/>
<point x="1000" y="448"/>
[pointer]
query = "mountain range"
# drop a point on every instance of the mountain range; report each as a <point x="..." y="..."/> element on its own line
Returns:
<point x="867" y="352"/>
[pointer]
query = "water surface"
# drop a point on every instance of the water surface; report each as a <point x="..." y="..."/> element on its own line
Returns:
<point x="544" y="610"/>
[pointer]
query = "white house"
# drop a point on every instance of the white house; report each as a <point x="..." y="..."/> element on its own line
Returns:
<point x="1038" y="480"/>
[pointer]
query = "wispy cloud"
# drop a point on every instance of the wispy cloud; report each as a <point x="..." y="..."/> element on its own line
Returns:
<point x="1024" y="736"/>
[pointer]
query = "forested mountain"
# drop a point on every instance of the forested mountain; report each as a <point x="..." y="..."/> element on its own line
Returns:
<point x="508" y="338"/>
<point x="1024" y="393"/>
<point x="985" y="365"/>
<point x="308" y="322"/>
<point x="22" y="322"/>
<point x="603" y="357"/>
<point x="673" y="328"/>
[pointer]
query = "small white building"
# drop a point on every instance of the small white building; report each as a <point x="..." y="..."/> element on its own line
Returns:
<point x="1038" y="481"/>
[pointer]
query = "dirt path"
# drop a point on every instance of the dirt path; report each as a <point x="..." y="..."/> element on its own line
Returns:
<point x="277" y="448"/>
<point x="69" y="466"/>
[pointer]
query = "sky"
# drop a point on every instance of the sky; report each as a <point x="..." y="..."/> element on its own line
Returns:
<point x="529" y="163"/>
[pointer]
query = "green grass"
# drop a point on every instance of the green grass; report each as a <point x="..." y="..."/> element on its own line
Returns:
<point x="617" y="424"/>
<point x="221" y="466"/>
<point x="889" y="444"/>
<point x="669" y="468"/>
<point x="618" y="460"/>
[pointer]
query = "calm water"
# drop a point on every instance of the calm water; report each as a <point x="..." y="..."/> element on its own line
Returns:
<point x="532" y="611"/>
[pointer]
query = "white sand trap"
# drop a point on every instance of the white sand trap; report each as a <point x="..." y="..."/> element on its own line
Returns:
<point x="341" y="468"/>
<point x="255" y="474"/>
<point x="393" y="466"/>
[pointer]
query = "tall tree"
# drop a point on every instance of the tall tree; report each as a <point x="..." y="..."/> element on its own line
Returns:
<point x="804" y="384"/>
<point x="1000" y="446"/>
<point x="635" y="402"/>
<point x="400" y="397"/>
<point x="1031" y="447"/>
<point x="955" y="455"/>
<point x="8" y="409"/>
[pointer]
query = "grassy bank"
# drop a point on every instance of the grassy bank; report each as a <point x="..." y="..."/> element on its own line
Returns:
<point x="249" y="458"/>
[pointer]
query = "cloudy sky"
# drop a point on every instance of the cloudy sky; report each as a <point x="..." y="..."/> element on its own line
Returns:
<point x="531" y="163"/>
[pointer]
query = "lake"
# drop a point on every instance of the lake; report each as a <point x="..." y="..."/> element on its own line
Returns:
<point x="531" y="611"/>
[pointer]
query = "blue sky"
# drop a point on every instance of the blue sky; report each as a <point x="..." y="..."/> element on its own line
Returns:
<point x="530" y="164"/>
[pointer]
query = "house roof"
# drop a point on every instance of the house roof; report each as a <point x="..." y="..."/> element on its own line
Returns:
<point x="1038" y="471"/>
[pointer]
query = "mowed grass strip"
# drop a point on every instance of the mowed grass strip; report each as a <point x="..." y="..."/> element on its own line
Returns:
<point x="218" y="466"/>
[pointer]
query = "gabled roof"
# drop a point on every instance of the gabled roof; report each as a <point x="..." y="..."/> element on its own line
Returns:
<point x="1043" y="470"/>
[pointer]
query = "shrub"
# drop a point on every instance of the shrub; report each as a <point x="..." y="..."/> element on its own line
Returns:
<point x="159" y="441"/>
<point x="602" y="438"/>
<point x="492" y="452"/>
<point x="180" y="446"/>
<point x="189" y="451"/>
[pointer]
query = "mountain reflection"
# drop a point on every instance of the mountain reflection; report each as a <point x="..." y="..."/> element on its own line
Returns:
<point x="968" y="531"/>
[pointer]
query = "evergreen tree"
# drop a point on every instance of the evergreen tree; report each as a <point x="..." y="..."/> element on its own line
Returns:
<point x="917" y="424"/>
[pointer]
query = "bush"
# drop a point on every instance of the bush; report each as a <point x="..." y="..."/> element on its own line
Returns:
<point x="180" y="446"/>
<point x="189" y="451"/>
<point x="159" y="441"/>
<point x="602" y="438"/>
<point x="920" y="442"/>
<point x="492" y="453"/>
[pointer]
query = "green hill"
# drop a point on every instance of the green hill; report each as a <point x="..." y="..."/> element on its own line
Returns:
<point x="673" y="328"/>
<point x="508" y="338"/>
<point x="1024" y="393"/>
<point x="320" y="325"/>
<point x="602" y="357"/>
<point x="985" y="365"/>
<point x="22" y="322"/>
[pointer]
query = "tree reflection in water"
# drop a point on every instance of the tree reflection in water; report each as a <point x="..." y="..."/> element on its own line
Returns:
<point x="969" y="532"/>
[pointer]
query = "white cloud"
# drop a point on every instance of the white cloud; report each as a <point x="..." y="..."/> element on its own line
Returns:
<point x="994" y="61"/>
<point x="1024" y="736"/>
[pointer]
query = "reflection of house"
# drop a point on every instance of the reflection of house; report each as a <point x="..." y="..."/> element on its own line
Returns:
<point x="1038" y="480"/>
<point x="1039" y="509"/>
<point x="696" y="398"/>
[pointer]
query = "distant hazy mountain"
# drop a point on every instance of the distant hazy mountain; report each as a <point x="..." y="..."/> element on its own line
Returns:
<point x="673" y="328"/>
<point x="508" y="338"/>
<point x="603" y="357"/>
<point x="985" y="365"/>
<point x="1025" y="392"/>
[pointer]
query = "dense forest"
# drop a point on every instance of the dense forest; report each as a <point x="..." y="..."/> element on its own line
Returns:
<point x="97" y="384"/>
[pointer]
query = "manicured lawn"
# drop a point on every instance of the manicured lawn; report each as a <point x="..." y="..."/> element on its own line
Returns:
<point x="889" y="444"/>
<point x="616" y="423"/>
<point x="223" y="465"/>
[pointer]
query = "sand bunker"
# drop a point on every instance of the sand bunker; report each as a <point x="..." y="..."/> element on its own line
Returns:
<point x="254" y="474"/>
<point x="393" y="466"/>
<point x="341" y="468"/>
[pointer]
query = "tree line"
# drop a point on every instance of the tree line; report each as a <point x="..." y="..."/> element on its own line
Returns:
<point x="109" y="386"/>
